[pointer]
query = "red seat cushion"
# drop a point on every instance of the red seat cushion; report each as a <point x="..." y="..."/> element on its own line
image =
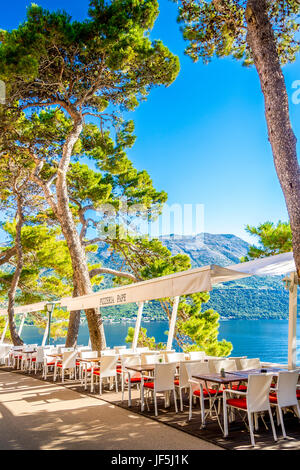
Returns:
<point x="206" y="393"/>
<point x="51" y="363"/>
<point x="238" y="402"/>
<point x="241" y="388"/>
<point x="176" y="382"/>
<point x="273" y="398"/>
<point x="149" y="385"/>
<point x="298" y="393"/>
<point x="134" y="380"/>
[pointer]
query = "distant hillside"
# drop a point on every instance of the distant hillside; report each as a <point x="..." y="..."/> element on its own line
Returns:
<point x="256" y="297"/>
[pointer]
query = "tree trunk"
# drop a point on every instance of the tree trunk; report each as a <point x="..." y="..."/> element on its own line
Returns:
<point x="16" y="277"/>
<point x="77" y="252"/>
<point x="261" y="40"/>
<point x="74" y="323"/>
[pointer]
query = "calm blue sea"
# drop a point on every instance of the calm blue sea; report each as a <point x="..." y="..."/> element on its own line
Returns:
<point x="267" y="339"/>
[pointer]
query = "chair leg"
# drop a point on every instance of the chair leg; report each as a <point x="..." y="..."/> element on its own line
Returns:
<point x="251" y="428"/>
<point x="180" y="397"/>
<point x="272" y="425"/>
<point x="175" y="400"/>
<point x="281" y="422"/>
<point x="255" y="422"/>
<point x="155" y="403"/>
<point x="116" y="379"/>
<point x="190" y="403"/>
<point x="225" y="418"/>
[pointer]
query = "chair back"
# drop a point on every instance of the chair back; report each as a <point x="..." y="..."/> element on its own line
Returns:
<point x="87" y="354"/>
<point x="213" y="365"/>
<point x="197" y="355"/>
<point x="196" y="368"/>
<point x="185" y="371"/>
<point x="140" y="350"/>
<point x="149" y="358"/>
<point x="84" y="348"/>
<point x="258" y="391"/>
<point x="286" y="388"/>
<point x="226" y="364"/>
<point x="119" y="348"/>
<point x="250" y="363"/>
<point x="47" y="357"/>
<point x="108" y="352"/>
<point x="63" y="350"/>
<point x="238" y="361"/>
<point x="131" y="360"/>
<point x="69" y="359"/>
<point x="40" y="354"/>
<point x="164" y="376"/>
<point x="108" y="366"/>
<point x="174" y="357"/>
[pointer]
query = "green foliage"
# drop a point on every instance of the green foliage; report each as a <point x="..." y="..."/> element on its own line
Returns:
<point x="197" y="330"/>
<point x="219" y="28"/>
<point x="105" y="59"/>
<point x="143" y="339"/>
<point x="272" y="240"/>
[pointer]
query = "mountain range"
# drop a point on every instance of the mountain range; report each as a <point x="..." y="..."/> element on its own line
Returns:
<point x="255" y="297"/>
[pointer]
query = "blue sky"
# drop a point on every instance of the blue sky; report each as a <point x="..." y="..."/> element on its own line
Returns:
<point x="203" y="139"/>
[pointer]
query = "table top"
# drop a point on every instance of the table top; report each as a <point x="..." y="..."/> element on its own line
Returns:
<point x="89" y="359"/>
<point x="217" y="378"/>
<point x="140" y="368"/>
<point x="263" y="370"/>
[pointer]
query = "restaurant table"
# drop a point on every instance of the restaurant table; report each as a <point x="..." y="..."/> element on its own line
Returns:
<point x="230" y="377"/>
<point x="28" y="354"/>
<point x="140" y="369"/>
<point x="216" y="378"/>
<point x="86" y="361"/>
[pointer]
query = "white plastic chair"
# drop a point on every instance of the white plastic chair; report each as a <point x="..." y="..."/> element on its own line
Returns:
<point x="135" y="377"/>
<point x="86" y="367"/>
<point x="49" y="361"/>
<point x="255" y="400"/>
<point x="141" y="350"/>
<point x="183" y="380"/>
<point x="198" y="387"/>
<point x="117" y="349"/>
<point x="237" y="361"/>
<point x="108" y="352"/>
<point x="197" y="355"/>
<point x="108" y="369"/>
<point x="150" y="358"/>
<point x="175" y="357"/>
<point x="68" y="362"/>
<point x="212" y="364"/>
<point x="39" y="358"/>
<point x="226" y="364"/>
<point x="163" y="381"/>
<point x="250" y="363"/>
<point x="285" y="396"/>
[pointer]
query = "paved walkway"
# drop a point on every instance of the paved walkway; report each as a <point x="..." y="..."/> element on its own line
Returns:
<point x="36" y="415"/>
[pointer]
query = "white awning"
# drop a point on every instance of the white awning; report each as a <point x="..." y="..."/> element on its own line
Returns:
<point x="26" y="308"/>
<point x="269" y="266"/>
<point x="186" y="282"/>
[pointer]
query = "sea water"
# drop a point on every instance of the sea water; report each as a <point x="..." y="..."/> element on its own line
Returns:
<point x="266" y="339"/>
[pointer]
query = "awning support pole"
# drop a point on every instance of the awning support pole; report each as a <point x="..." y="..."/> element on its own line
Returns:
<point x="4" y="331"/>
<point x="22" y="324"/>
<point x="46" y="336"/>
<point x="292" y="341"/>
<point x="137" y="326"/>
<point x="173" y="323"/>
